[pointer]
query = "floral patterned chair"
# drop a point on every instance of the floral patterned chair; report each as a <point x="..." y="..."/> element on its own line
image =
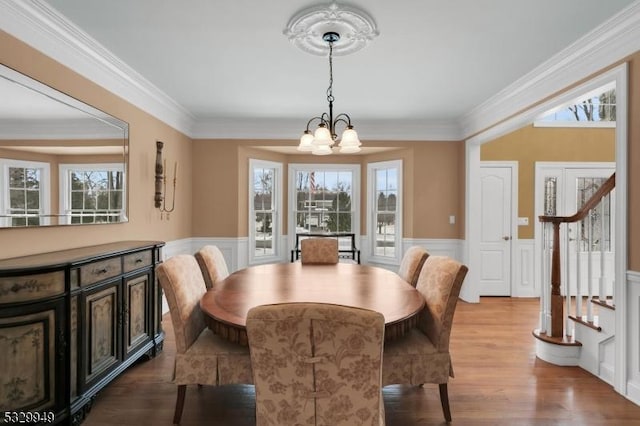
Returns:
<point x="411" y="264"/>
<point x="422" y="355"/>
<point x="202" y="358"/>
<point x="316" y="364"/>
<point x="319" y="251"/>
<point x="212" y="263"/>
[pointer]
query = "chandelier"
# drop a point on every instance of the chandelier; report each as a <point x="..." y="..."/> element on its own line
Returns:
<point x="323" y="139"/>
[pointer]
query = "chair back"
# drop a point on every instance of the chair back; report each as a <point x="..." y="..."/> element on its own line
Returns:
<point x="439" y="282"/>
<point x="319" y="251"/>
<point x="411" y="264"/>
<point x="212" y="263"/>
<point x="183" y="286"/>
<point x="316" y="363"/>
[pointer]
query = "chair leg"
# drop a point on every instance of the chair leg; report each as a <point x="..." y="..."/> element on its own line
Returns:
<point x="444" y="400"/>
<point x="177" y="414"/>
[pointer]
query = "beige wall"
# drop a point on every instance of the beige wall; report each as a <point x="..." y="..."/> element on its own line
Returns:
<point x="531" y="144"/>
<point x="434" y="174"/>
<point x="144" y="130"/>
<point x="433" y="191"/>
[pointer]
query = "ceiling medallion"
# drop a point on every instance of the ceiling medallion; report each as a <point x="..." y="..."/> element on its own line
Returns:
<point x="356" y="29"/>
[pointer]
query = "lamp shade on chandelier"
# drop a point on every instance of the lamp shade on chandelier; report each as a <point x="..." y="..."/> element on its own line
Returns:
<point x="323" y="139"/>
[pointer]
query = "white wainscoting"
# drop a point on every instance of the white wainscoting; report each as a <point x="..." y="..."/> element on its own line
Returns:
<point x="524" y="284"/>
<point x="236" y="250"/>
<point x="633" y="334"/>
<point x="437" y="247"/>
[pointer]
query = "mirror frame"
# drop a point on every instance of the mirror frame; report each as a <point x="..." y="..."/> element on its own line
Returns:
<point x="28" y="83"/>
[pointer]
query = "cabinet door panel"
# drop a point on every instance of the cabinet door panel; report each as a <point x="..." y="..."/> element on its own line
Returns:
<point x="28" y="358"/>
<point x="137" y="330"/>
<point x="101" y="322"/>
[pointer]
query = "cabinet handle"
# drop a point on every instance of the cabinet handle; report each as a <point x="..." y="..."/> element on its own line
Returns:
<point x="102" y="271"/>
<point x="138" y="260"/>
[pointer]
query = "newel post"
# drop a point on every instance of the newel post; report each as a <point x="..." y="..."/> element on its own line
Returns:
<point x="557" y="302"/>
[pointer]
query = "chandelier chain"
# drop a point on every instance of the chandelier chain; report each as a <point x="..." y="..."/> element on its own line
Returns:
<point x="330" y="97"/>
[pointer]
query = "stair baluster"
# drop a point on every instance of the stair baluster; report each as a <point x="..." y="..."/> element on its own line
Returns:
<point x="554" y="324"/>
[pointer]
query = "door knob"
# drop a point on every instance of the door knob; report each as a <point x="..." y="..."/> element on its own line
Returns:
<point x="506" y="238"/>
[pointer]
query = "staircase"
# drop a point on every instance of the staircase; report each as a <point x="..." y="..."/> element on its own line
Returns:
<point x="577" y="312"/>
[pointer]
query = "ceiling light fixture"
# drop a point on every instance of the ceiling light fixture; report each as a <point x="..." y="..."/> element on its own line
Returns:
<point x="331" y="20"/>
<point x="324" y="138"/>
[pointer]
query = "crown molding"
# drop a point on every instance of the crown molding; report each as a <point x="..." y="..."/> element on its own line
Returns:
<point x="43" y="28"/>
<point x="40" y="26"/>
<point x="290" y="129"/>
<point x="610" y="42"/>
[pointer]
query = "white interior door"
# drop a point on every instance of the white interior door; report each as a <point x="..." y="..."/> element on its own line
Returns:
<point x="496" y="232"/>
<point x="579" y="184"/>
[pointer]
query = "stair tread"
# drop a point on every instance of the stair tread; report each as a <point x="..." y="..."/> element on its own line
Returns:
<point x="606" y="303"/>
<point x="583" y="320"/>
<point x="562" y="341"/>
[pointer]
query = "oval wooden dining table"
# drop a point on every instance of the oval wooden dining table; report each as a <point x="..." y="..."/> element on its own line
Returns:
<point x="226" y="305"/>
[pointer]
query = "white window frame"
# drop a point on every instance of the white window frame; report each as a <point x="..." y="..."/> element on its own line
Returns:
<point x="276" y="224"/>
<point x="372" y="199"/>
<point x="65" y="185"/>
<point x="45" y="188"/>
<point x="294" y="168"/>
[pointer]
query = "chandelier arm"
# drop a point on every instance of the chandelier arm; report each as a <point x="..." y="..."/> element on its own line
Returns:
<point x="344" y="118"/>
<point x="322" y="120"/>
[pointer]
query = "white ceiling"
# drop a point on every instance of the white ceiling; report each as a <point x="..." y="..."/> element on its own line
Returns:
<point x="228" y="64"/>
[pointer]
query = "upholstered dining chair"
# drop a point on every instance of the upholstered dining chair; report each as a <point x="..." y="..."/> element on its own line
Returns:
<point x="212" y="263"/>
<point x="202" y="358"/>
<point x="411" y="264"/>
<point x="319" y="251"/>
<point x="317" y="364"/>
<point x="422" y="355"/>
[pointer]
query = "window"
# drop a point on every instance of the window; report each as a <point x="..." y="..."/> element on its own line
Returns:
<point x="92" y="193"/>
<point x="265" y="203"/>
<point x="25" y="198"/>
<point x="594" y="109"/>
<point x="324" y="198"/>
<point x="385" y="201"/>
<point x="598" y="224"/>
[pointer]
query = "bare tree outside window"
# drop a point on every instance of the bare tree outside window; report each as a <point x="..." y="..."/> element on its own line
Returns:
<point x="96" y="196"/>
<point x="263" y="181"/>
<point x="24" y="196"/>
<point x="601" y="107"/>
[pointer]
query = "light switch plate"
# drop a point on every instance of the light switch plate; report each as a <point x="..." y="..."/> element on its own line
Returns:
<point x="523" y="221"/>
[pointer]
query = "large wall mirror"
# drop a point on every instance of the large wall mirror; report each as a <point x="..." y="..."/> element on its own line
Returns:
<point x="62" y="162"/>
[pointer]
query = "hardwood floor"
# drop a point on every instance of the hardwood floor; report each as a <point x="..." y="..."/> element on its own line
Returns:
<point x="499" y="381"/>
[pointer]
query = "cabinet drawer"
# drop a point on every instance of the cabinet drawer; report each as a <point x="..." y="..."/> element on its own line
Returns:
<point x="31" y="287"/>
<point x="137" y="260"/>
<point x="98" y="271"/>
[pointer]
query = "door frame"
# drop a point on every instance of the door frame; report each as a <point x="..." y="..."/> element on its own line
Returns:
<point x="513" y="166"/>
<point x="469" y="291"/>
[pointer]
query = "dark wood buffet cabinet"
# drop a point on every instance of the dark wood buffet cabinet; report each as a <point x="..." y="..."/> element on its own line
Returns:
<point x="70" y="322"/>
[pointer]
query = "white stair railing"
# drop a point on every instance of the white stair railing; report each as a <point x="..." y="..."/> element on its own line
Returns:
<point x="554" y="317"/>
